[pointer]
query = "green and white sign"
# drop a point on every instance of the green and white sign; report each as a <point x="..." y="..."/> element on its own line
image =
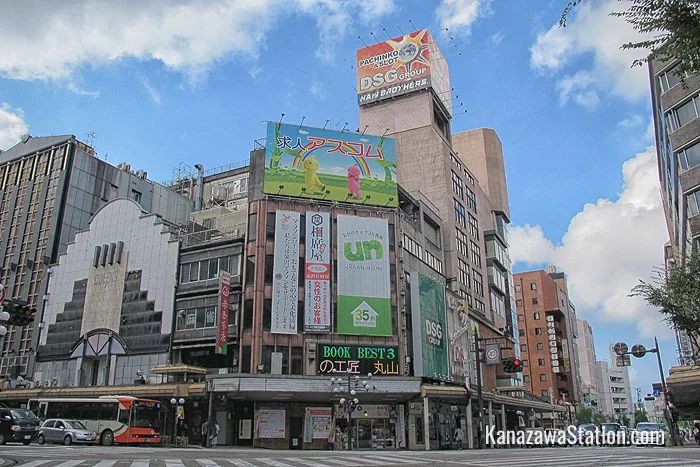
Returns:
<point x="364" y="291"/>
<point x="430" y="349"/>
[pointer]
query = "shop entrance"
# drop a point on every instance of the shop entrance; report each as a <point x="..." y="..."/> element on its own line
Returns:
<point x="375" y="433"/>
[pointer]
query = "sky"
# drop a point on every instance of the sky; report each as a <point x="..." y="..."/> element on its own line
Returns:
<point x="162" y="83"/>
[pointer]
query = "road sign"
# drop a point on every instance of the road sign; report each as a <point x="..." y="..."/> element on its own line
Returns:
<point x="622" y="360"/>
<point x="638" y="350"/>
<point x="657" y="393"/>
<point x="492" y="352"/>
<point x="620" y="348"/>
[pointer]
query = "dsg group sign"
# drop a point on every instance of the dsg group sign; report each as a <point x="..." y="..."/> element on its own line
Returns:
<point x="430" y="332"/>
<point x="398" y="66"/>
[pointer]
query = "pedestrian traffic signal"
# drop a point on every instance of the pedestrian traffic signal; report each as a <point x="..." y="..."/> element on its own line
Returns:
<point x="512" y="365"/>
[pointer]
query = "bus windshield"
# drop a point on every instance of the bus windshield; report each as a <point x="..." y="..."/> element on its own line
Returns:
<point x="146" y="414"/>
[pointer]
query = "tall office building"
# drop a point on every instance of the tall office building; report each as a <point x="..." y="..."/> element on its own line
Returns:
<point x="616" y="393"/>
<point x="590" y="385"/>
<point x="676" y="108"/>
<point x="50" y="187"/>
<point x="547" y="324"/>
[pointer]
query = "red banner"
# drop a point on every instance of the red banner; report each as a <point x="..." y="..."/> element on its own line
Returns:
<point x="224" y="297"/>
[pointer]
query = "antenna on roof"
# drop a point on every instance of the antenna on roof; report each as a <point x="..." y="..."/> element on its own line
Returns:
<point x="326" y="124"/>
<point x="359" y="37"/>
<point x="402" y="33"/>
<point x="345" y="127"/>
<point x="411" y="23"/>
<point x="387" y="34"/>
<point x="90" y="138"/>
<point x="375" y="37"/>
<point x="363" y="131"/>
<point x="302" y="120"/>
<point x="281" y="117"/>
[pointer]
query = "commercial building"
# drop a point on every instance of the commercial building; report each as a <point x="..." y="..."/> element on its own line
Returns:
<point x="616" y="392"/>
<point x="590" y="385"/>
<point x="547" y="327"/>
<point x="50" y="187"/>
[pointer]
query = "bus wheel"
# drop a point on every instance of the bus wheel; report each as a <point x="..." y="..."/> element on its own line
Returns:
<point x="107" y="438"/>
<point x="67" y="441"/>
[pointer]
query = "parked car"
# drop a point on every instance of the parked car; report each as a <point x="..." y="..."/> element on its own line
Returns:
<point x="650" y="434"/>
<point x="17" y="425"/>
<point x="616" y="438"/>
<point x="67" y="432"/>
<point x="585" y="431"/>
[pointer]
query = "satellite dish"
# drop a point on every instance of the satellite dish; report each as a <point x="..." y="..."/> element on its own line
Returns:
<point x="25" y="137"/>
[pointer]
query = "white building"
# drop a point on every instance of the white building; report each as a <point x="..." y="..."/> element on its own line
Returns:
<point x="616" y="393"/>
<point x="590" y="384"/>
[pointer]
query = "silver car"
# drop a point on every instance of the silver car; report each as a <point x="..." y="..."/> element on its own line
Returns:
<point x="67" y="432"/>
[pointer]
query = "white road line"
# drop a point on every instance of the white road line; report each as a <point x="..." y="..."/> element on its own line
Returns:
<point x="207" y="463"/>
<point x="336" y="461"/>
<point x="71" y="463"/>
<point x="240" y="462"/>
<point x="398" y="460"/>
<point x="105" y="463"/>
<point x="34" y="463"/>
<point x="140" y="463"/>
<point x="173" y="463"/>
<point x="272" y="462"/>
<point x="308" y="462"/>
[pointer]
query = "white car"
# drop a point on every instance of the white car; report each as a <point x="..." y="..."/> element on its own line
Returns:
<point x="649" y="434"/>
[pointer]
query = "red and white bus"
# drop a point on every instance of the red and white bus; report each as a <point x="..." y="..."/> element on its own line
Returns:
<point x="115" y="419"/>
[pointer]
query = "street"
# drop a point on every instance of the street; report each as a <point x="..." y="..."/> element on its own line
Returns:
<point x="97" y="456"/>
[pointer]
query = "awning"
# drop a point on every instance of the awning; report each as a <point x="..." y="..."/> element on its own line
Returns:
<point x="434" y="390"/>
<point x="178" y="369"/>
<point x="147" y="391"/>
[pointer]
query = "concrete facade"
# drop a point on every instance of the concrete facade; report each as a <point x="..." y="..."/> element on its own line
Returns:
<point x="590" y="385"/>
<point x="616" y="392"/>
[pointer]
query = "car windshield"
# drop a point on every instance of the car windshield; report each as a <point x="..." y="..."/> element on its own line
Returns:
<point x="588" y="427"/>
<point x="648" y="427"/>
<point x="610" y="426"/>
<point x="146" y="414"/>
<point x="21" y="414"/>
<point x="75" y="424"/>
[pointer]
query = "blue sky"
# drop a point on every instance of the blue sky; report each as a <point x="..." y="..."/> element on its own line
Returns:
<point x="192" y="83"/>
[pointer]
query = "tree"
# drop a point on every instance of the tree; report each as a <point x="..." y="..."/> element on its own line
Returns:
<point x="584" y="415"/>
<point x="675" y="291"/>
<point x="640" y="416"/>
<point x="625" y="420"/>
<point x="598" y="418"/>
<point x="672" y="28"/>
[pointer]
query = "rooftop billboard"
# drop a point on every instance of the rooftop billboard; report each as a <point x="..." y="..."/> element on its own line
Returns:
<point x="329" y="165"/>
<point x="395" y="67"/>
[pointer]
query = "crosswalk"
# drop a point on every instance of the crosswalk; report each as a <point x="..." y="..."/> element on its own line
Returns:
<point x="580" y="459"/>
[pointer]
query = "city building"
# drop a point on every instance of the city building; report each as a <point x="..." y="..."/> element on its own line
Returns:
<point x="50" y="187"/>
<point x="590" y="386"/>
<point x="547" y="329"/>
<point x="615" y="391"/>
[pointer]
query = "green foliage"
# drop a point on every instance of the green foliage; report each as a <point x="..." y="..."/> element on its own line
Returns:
<point x="598" y="418"/>
<point x="584" y="415"/>
<point x="671" y="29"/>
<point x="675" y="291"/>
<point x="640" y="416"/>
<point x="625" y="420"/>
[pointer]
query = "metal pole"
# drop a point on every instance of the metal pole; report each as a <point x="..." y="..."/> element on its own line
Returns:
<point x="667" y="409"/>
<point x="175" y="424"/>
<point x="480" y="393"/>
<point x="210" y="415"/>
<point x="348" y="417"/>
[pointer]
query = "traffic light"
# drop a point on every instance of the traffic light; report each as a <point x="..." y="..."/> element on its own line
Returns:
<point x="512" y="365"/>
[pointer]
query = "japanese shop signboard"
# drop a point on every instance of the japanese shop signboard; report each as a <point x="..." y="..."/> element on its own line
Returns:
<point x="305" y="162"/>
<point x="318" y="272"/>
<point x="430" y="354"/>
<point x="357" y="360"/>
<point x="224" y="300"/>
<point x="395" y="67"/>
<point x="364" y="291"/>
<point x="285" y="272"/>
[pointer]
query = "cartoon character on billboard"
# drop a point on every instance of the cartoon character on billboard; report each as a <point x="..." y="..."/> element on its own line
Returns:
<point x="354" y="181"/>
<point x="311" y="181"/>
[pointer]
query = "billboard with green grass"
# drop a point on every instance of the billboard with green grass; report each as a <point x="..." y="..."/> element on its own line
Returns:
<point x="330" y="165"/>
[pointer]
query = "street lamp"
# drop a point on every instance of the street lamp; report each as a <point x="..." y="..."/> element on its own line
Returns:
<point x="175" y="403"/>
<point x="349" y="403"/>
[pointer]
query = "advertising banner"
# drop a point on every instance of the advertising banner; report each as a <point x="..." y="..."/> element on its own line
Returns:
<point x="357" y="359"/>
<point x="224" y="299"/>
<point x="431" y="358"/>
<point x="318" y="272"/>
<point x="317" y="423"/>
<point x="285" y="273"/>
<point x="395" y="67"/>
<point x="364" y="291"/>
<point x="270" y="423"/>
<point x="459" y="328"/>
<point x="329" y="165"/>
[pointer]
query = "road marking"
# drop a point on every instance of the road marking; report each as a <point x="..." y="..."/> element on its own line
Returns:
<point x="207" y="463"/>
<point x="398" y="460"/>
<point x="336" y="461"/>
<point x="105" y="463"/>
<point x="140" y="463"/>
<point x="240" y="462"/>
<point x="308" y="462"/>
<point x="173" y="463"/>
<point x="71" y="463"/>
<point x="272" y="462"/>
<point x="34" y="463"/>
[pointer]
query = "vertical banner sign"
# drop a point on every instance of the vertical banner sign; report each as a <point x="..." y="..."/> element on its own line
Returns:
<point x="364" y="292"/>
<point x="224" y="299"/>
<point x="285" y="273"/>
<point x="318" y="273"/>
<point x="429" y="324"/>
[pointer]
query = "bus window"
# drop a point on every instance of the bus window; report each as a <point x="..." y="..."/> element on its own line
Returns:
<point x="124" y="416"/>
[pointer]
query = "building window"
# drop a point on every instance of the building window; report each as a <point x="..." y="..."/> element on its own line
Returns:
<point x="689" y="157"/>
<point x="525" y="363"/>
<point x="518" y="303"/>
<point x="136" y="195"/>
<point x="518" y="288"/>
<point x="683" y="114"/>
<point x="543" y="377"/>
<point x="535" y="301"/>
<point x="462" y="243"/>
<point x="523" y="347"/>
<point x="478" y="282"/>
<point x="476" y="253"/>
<point x="209" y="268"/>
<point x="694" y="203"/>
<point x="545" y="393"/>
<point x="540" y="346"/>
<point x="462" y="273"/>
<point x="473" y="227"/>
<point x="540" y="361"/>
<point x="412" y="246"/>
<point x="533" y="286"/>
<point x="479" y="306"/>
<point x="471" y="200"/>
<point x="196" y="318"/>
<point x="460" y="215"/>
<point x="526" y="378"/>
<point x="538" y="331"/>
<point x="669" y="79"/>
<point x="521" y="332"/>
<point x="536" y="315"/>
<point x="457" y="186"/>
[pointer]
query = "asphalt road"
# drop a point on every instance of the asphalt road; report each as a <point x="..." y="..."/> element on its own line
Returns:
<point x="122" y="456"/>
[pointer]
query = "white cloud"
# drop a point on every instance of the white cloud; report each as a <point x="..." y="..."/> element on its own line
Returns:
<point x="153" y="93"/>
<point x="12" y="125"/>
<point x="497" y="38"/>
<point x="317" y="89"/>
<point x="593" y="35"/>
<point x="631" y="122"/>
<point x="459" y="15"/>
<point x="609" y="245"/>
<point x="578" y="88"/>
<point x="59" y="38"/>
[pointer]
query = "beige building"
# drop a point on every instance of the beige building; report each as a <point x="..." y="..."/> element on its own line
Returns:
<point x="590" y="386"/>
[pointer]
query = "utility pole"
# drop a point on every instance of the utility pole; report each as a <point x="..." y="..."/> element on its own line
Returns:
<point x="480" y="392"/>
